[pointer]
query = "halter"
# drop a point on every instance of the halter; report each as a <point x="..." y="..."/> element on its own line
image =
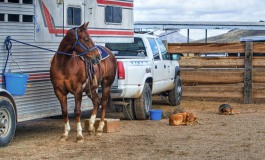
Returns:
<point x="77" y="42"/>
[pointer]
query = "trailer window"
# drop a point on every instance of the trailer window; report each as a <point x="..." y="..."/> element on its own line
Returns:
<point x="27" y="1"/>
<point x="2" y="17"/>
<point x="113" y="14"/>
<point x="1" y="0"/>
<point x="27" y="18"/>
<point x="13" y="1"/>
<point x="73" y="16"/>
<point x="13" y="17"/>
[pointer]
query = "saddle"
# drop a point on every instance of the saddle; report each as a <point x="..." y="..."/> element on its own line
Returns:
<point x="90" y="71"/>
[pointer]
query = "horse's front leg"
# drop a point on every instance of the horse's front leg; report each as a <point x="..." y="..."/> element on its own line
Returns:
<point x="78" y="100"/>
<point x="104" y="101"/>
<point x="63" y="101"/>
<point x="96" y="102"/>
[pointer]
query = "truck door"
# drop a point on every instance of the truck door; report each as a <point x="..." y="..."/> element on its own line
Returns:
<point x="158" y="68"/>
<point x="169" y="73"/>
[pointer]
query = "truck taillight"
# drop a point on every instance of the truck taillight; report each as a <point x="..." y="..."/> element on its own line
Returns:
<point x="121" y="73"/>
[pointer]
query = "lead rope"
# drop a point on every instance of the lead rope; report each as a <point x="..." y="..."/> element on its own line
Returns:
<point x="100" y="74"/>
<point x="88" y="75"/>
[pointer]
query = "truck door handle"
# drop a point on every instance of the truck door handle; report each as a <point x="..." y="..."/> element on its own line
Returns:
<point x="155" y="66"/>
<point x="165" y="66"/>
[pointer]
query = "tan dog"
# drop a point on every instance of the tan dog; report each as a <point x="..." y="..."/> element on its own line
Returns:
<point x="183" y="118"/>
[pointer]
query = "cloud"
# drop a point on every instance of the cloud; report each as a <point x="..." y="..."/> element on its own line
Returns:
<point x="199" y="10"/>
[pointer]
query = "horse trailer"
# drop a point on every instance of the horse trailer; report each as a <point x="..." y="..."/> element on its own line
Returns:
<point x="30" y="33"/>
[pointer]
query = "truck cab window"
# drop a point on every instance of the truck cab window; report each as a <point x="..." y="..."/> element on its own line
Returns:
<point x="163" y="50"/>
<point x="154" y="48"/>
<point x="128" y="49"/>
<point x="74" y="16"/>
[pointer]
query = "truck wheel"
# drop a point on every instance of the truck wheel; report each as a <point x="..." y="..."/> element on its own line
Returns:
<point x="175" y="95"/>
<point x="7" y="121"/>
<point x="128" y="111"/>
<point x="143" y="104"/>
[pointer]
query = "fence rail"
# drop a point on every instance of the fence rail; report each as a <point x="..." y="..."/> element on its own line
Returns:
<point x="234" y="77"/>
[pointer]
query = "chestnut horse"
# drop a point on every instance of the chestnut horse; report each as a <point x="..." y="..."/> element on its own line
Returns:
<point x="77" y="68"/>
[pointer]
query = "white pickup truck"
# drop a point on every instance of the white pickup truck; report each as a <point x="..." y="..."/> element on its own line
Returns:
<point x="144" y="68"/>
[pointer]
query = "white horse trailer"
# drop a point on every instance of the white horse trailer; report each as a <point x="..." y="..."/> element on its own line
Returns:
<point x="43" y="23"/>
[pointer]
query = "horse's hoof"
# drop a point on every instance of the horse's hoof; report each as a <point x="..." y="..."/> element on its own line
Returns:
<point x="92" y="132"/>
<point x="79" y="139"/>
<point x="64" y="138"/>
<point x="99" y="133"/>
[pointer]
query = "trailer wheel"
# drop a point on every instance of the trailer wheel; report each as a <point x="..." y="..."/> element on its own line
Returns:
<point x="7" y="121"/>
<point x="175" y="95"/>
<point x="143" y="104"/>
<point x="128" y="110"/>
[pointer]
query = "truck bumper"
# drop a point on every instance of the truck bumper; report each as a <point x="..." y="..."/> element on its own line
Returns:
<point x="115" y="92"/>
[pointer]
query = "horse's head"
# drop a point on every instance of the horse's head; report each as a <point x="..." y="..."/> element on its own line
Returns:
<point x="84" y="45"/>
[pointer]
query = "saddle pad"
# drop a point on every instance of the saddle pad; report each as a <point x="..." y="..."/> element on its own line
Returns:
<point x="103" y="52"/>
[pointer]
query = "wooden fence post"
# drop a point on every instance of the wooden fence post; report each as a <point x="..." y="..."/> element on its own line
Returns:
<point x="248" y="76"/>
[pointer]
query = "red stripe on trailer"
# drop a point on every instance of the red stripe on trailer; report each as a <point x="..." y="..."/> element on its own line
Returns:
<point x="35" y="76"/>
<point x="112" y="2"/>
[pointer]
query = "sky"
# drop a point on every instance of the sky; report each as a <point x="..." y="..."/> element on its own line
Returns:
<point x="200" y="10"/>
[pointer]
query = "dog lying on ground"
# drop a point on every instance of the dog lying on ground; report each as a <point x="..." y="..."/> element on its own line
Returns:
<point x="226" y="109"/>
<point x="183" y="118"/>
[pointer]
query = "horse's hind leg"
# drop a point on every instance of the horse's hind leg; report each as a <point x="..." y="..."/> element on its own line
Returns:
<point x="95" y="100"/>
<point x="63" y="101"/>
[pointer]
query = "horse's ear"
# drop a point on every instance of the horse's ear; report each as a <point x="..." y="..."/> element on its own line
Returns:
<point x="84" y="26"/>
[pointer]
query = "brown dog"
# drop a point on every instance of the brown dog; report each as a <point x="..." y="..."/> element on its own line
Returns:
<point x="183" y="118"/>
<point x="226" y="109"/>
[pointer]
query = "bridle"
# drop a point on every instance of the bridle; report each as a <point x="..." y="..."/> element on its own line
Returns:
<point x="86" y="50"/>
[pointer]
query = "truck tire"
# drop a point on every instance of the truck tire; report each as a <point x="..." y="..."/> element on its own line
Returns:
<point x="143" y="104"/>
<point x="128" y="110"/>
<point x="175" y="95"/>
<point x="7" y="121"/>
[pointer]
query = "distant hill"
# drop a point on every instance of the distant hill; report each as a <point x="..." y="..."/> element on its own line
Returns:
<point x="232" y="36"/>
<point x="173" y="37"/>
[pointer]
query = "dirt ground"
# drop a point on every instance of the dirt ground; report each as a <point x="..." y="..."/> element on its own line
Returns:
<point x="240" y="136"/>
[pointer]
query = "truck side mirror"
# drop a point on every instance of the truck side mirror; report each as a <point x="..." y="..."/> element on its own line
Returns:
<point x="175" y="56"/>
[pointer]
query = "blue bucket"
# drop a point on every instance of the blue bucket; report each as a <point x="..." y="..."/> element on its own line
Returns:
<point x="16" y="83"/>
<point x="155" y="114"/>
